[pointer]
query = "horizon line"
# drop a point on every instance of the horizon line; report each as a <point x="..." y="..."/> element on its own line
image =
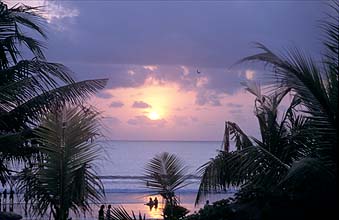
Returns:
<point x="155" y="140"/>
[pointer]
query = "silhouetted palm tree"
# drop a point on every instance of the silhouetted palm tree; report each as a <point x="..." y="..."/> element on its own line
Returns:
<point x="65" y="180"/>
<point x="164" y="174"/>
<point x="258" y="163"/>
<point x="29" y="88"/>
<point x="300" y="152"/>
<point x="316" y="85"/>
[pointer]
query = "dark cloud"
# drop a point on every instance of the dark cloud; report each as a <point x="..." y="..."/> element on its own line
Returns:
<point x="140" y="104"/>
<point x="175" y="33"/>
<point x="142" y="120"/>
<point x="176" y="38"/>
<point x="210" y="85"/>
<point x="116" y="104"/>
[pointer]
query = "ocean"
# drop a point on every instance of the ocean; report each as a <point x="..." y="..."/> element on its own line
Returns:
<point x="122" y="163"/>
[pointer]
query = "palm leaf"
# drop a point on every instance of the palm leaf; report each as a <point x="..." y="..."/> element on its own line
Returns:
<point x="66" y="179"/>
<point x="31" y="111"/>
<point x="10" y="33"/>
<point x="119" y="213"/>
<point x="257" y="163"/>
<point x="317" y="91"/>
<point x="165" y="174"/>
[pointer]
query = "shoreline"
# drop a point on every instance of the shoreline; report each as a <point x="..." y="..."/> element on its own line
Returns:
<point x="130" y="201"/>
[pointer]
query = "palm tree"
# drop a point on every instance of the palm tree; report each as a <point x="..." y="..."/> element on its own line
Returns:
<point x="316" y="86"/>
<point x="65" y="180"/>
<point x="164" y="174"/>
<point x="258" y="163"/>
<point x="300" y="152"/>
<point x="29" y="88"/>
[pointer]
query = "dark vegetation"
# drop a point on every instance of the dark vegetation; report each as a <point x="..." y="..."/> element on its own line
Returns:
<point x="289" y="173"/>
<point x="44" y="124"/>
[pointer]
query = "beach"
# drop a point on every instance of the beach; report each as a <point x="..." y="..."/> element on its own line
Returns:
<point x="130" y="201"/>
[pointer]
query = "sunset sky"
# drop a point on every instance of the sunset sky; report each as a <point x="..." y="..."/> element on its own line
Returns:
<point x="151" y="51"/>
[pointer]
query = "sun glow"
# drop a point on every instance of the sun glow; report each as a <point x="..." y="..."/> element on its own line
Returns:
<point x="154" y="116"/>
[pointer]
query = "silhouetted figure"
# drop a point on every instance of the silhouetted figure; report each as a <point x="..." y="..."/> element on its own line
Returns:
<point x="5" y="195"/>
<point x="26" y="204"/>
<point x="150" y="204"/>
<point x="11" y="199"/>
<point x="156" y="202"/>
<point x="108" y="213"/>
<point x="207" y="203"/>
<point x="101" y="213"/>
<point x="5" y="199"/>
<point x="0" y="201"/>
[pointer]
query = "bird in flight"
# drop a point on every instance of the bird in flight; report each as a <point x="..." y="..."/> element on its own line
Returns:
<point x="198" y="72"/>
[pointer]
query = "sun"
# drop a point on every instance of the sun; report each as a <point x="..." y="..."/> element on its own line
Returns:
<point x="153" y="115"/>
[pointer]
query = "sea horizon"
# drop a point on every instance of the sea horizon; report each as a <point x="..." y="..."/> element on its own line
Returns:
<point x="159" y="140"/>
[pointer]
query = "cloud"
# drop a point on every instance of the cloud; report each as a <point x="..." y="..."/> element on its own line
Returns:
<point x="207" y="97"/>
<point x="195" y="119"/>
<point x="184" y="120"/>
<point x="235" y="111"/>
<point x="111" y="120"/>
<point x="116" y="104"/>
<point x="142" y="120"/>
<point x="52" y="10"/>
<point x="201" y="81"/>
<point x="104" y="95"/>
<point x="151" y="68"/>
<point x="174" y="38"/>
<point x="131" y="72"/>
<point x="234" y="105"/>
<point x="141" y="104"/>
<point x="185" y="70"/>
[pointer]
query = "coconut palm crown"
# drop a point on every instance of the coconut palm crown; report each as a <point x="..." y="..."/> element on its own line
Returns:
<point x="164" y="174"/>
<point x="65" y="178"/>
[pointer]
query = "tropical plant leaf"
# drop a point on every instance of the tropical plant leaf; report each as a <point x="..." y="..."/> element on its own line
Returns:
<point x="165" y="174"/>
<point x="66" y="180"/>
<point x="120" y="213"/>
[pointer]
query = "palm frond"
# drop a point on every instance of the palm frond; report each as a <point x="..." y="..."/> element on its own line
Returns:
<point x="233" y="132"/>
<point x="119" y="213"/>
<point x="11" y="34"/>
<point x="257" y="163"/>
<point x="317" y="91"/>
<point x="66" y="179"/>
<point x="31" y="111"/>
<point x="164" y="174"/>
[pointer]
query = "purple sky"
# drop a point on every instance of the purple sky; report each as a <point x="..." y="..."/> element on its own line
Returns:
<point x="150" y="51"/>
